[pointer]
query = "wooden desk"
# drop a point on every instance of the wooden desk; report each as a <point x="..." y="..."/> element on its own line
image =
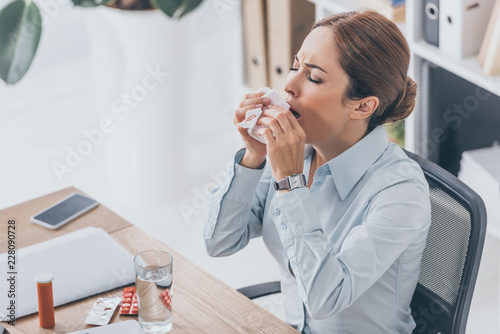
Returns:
<point x="203" y="304"/>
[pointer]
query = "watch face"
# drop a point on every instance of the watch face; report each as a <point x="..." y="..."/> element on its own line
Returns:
<point x="291" y="182"/>
<point x="295" y="182"/>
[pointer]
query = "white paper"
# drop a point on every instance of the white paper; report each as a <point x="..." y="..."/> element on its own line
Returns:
<point x="479" y="169"/>
<point x="84" y="262"/>
<point x="488" y="159"/>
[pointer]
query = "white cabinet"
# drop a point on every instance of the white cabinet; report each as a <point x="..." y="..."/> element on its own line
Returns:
<point x="484" y="311"/>
<point x="468" y="68"/>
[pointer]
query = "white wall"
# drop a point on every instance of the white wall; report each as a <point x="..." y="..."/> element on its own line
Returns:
<point x="48" y="110"/>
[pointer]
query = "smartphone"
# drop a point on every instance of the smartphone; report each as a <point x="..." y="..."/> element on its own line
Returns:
<point x="64" y="211"/>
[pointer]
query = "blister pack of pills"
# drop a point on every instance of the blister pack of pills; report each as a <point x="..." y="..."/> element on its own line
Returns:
<point x="166" y="299"/>
<point x="102" y="311"/>
<point x="129" y="302"/>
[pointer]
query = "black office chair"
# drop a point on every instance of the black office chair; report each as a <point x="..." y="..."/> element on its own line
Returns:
<point x="450" y="261"/>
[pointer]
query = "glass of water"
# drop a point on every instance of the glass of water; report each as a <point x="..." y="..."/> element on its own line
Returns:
<point x="153" y="280"/>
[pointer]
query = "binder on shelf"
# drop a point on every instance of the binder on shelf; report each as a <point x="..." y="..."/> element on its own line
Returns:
<point x="489" y="53"/>
<point x="255" y="43"/>
<point x="462" y="25"/>
<point x="288" y="23"/>
<point x="431" y="22"/>
<point x="394" y="10"/>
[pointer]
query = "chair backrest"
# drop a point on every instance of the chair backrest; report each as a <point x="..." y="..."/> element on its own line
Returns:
<point x="451" y="257"/>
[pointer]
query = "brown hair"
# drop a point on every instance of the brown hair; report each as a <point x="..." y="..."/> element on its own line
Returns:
<point x="374" y="54"/>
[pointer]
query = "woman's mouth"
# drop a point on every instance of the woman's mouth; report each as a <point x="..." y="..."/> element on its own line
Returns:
<point x="295" y="113"/>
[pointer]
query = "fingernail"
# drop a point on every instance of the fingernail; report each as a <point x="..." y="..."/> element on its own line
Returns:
<point x="251" y="117"/>
<point x="259" y="105"/>
<point x="265" y="100"/>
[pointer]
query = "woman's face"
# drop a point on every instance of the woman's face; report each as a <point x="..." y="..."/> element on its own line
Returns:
<point x="315" y="86"/>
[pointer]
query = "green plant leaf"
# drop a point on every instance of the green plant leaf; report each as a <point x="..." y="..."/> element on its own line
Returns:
<point x="169" y="7"/>
<point x="20" y="30"/>
<point x="179" y="7"/>
<point x="189" y="6"/>
<point x="91" y="3"/>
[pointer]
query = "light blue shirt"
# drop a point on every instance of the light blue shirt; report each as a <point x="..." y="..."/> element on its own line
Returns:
<point x="348" y="248"/>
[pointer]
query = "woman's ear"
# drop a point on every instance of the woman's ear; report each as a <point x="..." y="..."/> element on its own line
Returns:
<point x="365" y="107"/>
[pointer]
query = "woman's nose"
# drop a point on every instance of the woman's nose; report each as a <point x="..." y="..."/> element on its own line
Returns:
<point x="291" y="86"/>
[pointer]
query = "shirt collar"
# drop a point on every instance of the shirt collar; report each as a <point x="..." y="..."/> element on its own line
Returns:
<point x="308" y="150"/>
<point x="351" y="165"/>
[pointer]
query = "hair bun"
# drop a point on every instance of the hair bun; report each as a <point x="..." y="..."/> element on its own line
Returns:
<point x="404" y="104"/>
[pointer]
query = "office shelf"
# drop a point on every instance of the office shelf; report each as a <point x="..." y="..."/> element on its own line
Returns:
<point x="467" y="68"/>
<point x="337" y="6"/>
<point x="328" y="7"/>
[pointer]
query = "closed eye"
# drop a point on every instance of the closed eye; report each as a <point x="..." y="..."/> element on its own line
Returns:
<point x="308" y="77"/>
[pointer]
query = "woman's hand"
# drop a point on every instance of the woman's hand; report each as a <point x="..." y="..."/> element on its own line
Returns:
<point x="285" y="140"/>
<point x="256" y="151"/>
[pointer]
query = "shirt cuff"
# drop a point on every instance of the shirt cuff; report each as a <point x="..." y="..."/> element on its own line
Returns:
<point x="294" y="213"/>
<point x="245" y="180"/>
<point x="239" y="156"/>
<point x="296" y="219"/>
<point x="239" y="186"/>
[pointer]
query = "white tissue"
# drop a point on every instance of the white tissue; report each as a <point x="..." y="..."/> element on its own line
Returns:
<point x="251" y="125"/>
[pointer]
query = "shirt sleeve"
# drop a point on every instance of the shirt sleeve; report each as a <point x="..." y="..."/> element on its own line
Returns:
<point x="236" y="209"/>
<point x="329" y="282"/>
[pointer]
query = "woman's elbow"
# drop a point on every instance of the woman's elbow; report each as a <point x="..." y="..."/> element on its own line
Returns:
<point x="326" y="304"/>
<point x="320" y="312"/>
<point x="216" y="248"/>
<point x="213" y="249"/>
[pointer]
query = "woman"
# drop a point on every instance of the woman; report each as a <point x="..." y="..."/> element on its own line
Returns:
<point x="349" y="240"/>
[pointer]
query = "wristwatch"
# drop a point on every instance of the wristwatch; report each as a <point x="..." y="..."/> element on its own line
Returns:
<point x="291" y="182"/>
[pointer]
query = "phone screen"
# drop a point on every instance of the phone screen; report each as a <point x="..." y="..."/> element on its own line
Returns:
<point x="66" y="210"/>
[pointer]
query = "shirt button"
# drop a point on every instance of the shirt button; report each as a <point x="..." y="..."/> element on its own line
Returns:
<point x="321" y="172"/>
<point x="284" y="227"/>
<point x="292" y="262"/>
<point x="317" y="184"/>
<point x="277" y="212"/>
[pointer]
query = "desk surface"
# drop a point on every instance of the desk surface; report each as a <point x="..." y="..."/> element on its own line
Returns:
<point x="203" y="304"/>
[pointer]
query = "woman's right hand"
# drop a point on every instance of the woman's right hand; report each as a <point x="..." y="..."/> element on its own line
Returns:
<point x="256" y="151"/>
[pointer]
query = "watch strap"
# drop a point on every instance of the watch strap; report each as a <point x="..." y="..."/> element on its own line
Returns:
<point x="291" y="182"/>
<point x="282" y="184"/>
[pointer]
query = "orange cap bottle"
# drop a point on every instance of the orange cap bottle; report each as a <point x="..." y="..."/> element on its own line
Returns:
<point x="45" y="299"/>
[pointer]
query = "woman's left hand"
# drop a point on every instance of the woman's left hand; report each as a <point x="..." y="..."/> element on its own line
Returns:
<point x="285" y="140"/>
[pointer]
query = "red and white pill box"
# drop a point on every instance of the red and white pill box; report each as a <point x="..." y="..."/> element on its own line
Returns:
<point x="129" y="302"/>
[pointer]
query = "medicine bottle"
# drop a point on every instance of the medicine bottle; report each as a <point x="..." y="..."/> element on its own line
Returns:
<point x="45" y="299"/>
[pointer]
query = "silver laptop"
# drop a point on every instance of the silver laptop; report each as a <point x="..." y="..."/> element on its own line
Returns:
<point x="122" y="327"/>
